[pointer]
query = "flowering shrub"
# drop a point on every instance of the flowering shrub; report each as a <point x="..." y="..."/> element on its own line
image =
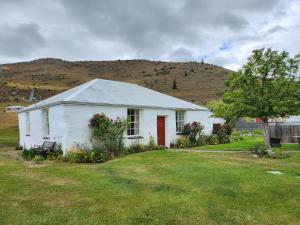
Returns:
<point x="192" y="130"/>
<point x="224" y="133"/>
<point x="108" y="133"/>
<point x="77" y="155"/>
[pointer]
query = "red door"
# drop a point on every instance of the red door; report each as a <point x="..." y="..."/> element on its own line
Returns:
<point x="161" y="134"/>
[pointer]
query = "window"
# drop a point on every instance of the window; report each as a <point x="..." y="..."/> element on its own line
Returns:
<point x="134" y="122"/>
<point x="179" y="121"/>
<point x="46" y="130"/>
<point x="27" y="124"/>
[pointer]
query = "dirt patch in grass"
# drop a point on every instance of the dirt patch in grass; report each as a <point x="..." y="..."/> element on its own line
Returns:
<point x="51" y="180"/>
<point x="13" y="154"/>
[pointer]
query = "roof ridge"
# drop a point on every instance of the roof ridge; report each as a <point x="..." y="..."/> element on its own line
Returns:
<point x="85" y="86"/>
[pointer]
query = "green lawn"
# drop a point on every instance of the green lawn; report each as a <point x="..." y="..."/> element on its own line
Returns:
<point x="158" y="187"/>
<point x="247" y="144"/>
<point x="9" y="136"/>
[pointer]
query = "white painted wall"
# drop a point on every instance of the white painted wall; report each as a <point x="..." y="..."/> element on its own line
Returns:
<point x="204" y="117"/>
<point x="69" y="124"/>
<point x="36" y="137"/>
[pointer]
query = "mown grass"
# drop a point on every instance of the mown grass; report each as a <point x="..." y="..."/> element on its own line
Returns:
<point x="246" y="144"/>
<point x="9" y="133"/>
<point x="9" y="136"/>
<point x="158" y="187"/>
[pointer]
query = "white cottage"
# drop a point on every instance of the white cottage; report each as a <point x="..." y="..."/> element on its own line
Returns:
<point x="64" y="118"/>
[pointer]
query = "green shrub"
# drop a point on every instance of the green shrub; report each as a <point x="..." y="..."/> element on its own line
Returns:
<point x="29" y="154"/>
<point x="136" y="148"/>
<point x="237" y="138"/>
<point x="202" y="140"/>
<point x="245" y="132"/>
<point x="260" y="150"/>
<point x="257" y="132"/>
<point x="182" y="142"/>
<point x="99" y="155"/>
<point x="152" y="145"/>
<point x="38" y="159"/>
<point x="78" y="156"/>
<point x="213" y="139"/>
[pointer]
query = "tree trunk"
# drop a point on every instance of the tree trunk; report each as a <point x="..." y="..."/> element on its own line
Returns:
<point x="267" y="136"/>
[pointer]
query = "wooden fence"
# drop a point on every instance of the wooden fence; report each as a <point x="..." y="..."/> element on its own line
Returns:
<point x="285" y="132"/>
<point x="282" y="130"/>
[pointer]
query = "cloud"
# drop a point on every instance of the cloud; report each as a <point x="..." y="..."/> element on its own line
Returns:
<point x="20" y="40"/>
<point x="222" y="32"/>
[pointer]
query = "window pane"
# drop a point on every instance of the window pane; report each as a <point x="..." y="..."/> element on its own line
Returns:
<point x="133" y="119"/>
<point x="179" y="121"/>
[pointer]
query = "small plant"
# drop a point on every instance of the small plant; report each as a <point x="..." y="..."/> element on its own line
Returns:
<point x="260" y="150"/>
<point x="245" y="132"/>
<point x="182" y="142"/>
<point x="152" y="145"/>
<point x="213" y="139"/>
<point x="202" y="140"/>
<point x="28" y="154"/>
<point x="237" y="138"/>
<point x="78" y="156"/>
<point x="136" y="148"/>
<point x="38" y="159"/>
<point x="257" y="132"/>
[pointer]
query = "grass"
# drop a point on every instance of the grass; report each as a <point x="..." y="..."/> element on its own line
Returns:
<point x="9" y="133"/>
<point x="30" y="86"/>
<point x="158" y="187"/>
<point x="247" y="144"/>
<point x="9" y="136"/>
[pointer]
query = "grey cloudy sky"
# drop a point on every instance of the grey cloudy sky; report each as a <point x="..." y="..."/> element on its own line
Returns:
<point x="221" y="32"/>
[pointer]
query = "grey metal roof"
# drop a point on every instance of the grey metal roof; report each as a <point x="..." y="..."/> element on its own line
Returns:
<point x="107" y="92"/>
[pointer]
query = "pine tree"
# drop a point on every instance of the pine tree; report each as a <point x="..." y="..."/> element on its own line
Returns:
<point x="174" y="84"/>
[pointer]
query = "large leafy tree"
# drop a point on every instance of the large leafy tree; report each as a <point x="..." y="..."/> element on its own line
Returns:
<point x="266" y="87"/>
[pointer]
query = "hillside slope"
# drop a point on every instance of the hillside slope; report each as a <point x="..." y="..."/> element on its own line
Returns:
<point x="195" y="82"/>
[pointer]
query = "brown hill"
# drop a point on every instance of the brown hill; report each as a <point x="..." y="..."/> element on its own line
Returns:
<point x="195" y="82"/>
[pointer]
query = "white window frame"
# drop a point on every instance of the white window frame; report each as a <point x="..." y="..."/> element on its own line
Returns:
<point x="46" y="124"/>
<point x="133" y="117"/>
<point x="27" y="124"/>
<point x="180" y="119"/>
